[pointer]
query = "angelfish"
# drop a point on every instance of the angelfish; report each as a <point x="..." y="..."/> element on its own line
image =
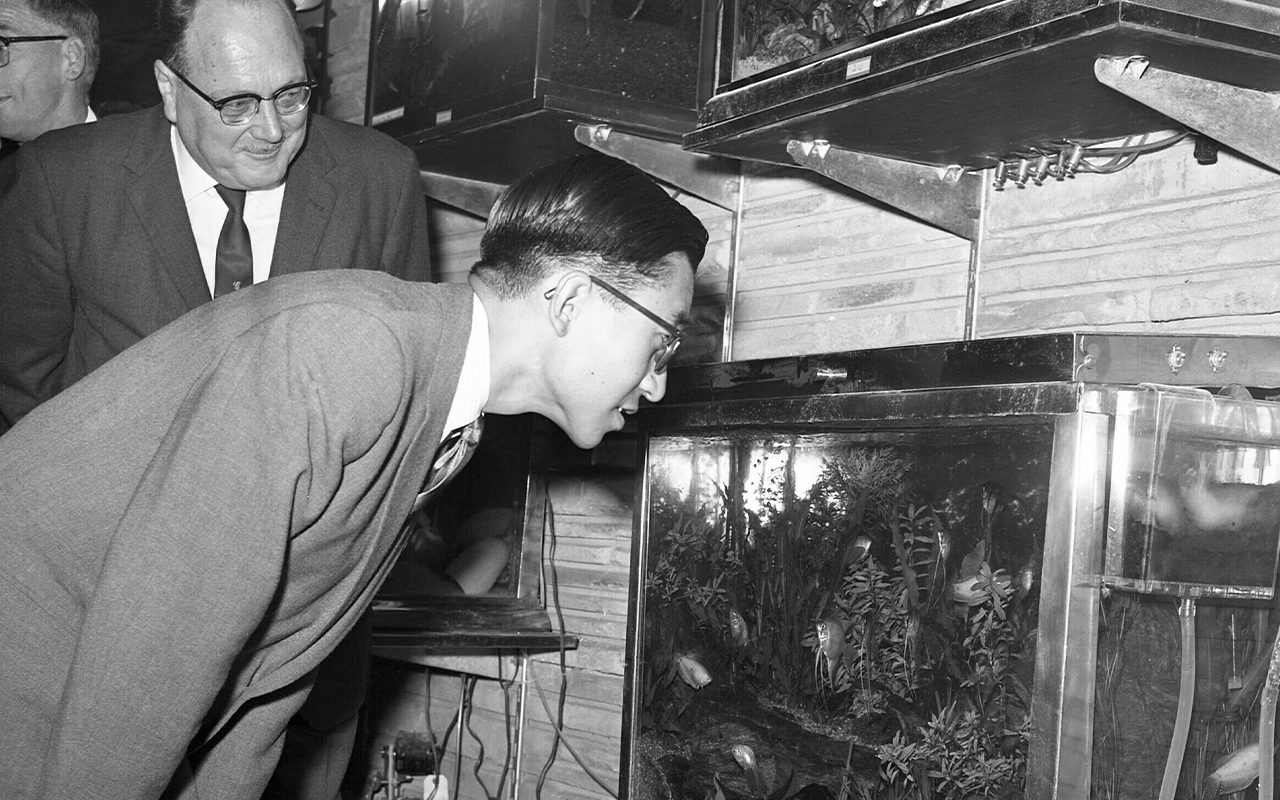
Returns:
<point x="746" y="758"/>
<point x="831" y="645"/>
<point x="692" y="672"/>
<point x="1234" y="772"/>
<point x="738" y="628"/>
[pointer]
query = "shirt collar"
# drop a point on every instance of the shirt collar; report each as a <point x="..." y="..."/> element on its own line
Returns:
<point x="191" y="176"/>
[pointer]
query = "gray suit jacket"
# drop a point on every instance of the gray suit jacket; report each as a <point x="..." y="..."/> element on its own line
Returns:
<point x="96" y="249"/>
<point x="190" y="530"/>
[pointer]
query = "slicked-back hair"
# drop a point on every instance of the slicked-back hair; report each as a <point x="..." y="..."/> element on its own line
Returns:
<point x="173" y="18"/>
<point x="597" y="213"/>
<point x="78" y="19"/>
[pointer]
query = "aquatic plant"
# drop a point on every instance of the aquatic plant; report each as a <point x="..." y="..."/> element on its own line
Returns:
<point x="778" y="31"/>
<point x="747" y="579"/>
<point x="960" y="754"/>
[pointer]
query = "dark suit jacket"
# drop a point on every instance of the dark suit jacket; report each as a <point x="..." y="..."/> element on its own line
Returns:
<point x="96" y="249"/>
<point x="190" y="530"/>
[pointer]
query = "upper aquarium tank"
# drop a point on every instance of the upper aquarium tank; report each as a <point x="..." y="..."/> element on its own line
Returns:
<point x="965" y="84"/>
<point x="954" y="571"/>
<point x="492" y="89"/>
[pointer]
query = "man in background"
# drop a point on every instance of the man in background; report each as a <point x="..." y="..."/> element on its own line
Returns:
<point x="48" y="57"/>
<point x="113" y="230"/>
<point x="190" y="531"/>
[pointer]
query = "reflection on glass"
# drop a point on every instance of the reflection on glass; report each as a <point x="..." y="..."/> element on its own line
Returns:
<point x="849" y="611"/>
<point x="1195" y="506"/>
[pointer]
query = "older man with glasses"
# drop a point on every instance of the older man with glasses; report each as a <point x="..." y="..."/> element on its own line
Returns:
<point x="48" y="58"/>
<point x="113" y="230"/>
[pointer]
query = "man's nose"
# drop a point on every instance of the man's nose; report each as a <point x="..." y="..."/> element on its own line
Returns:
<point x="267" y="124"/>
<point x="654" y="386"/>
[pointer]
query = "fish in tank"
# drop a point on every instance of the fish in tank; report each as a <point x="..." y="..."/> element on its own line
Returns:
<point x="842" y="614"/>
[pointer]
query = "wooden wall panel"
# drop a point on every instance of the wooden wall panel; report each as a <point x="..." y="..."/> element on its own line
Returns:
<point x="455" y="242"/>
<point x="1165" y="245"/>
<point x="824" y="268"/>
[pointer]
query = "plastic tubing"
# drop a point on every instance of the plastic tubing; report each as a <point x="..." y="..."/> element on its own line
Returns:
<point x="1186" y="693"/>
<point x="1267" y="724"/>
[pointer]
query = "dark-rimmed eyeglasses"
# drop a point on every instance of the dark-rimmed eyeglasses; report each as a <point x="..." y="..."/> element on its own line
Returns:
<point x="5" y="41"/>
<point x="238" y="109"/>
<point x="670" y="340"/>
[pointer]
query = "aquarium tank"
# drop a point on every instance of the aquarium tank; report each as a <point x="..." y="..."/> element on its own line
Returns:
<point x="943" y="572"/>
<point x="439" y="61"/>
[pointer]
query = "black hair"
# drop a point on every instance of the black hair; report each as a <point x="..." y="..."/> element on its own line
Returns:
<point x="173" y="18"/>
<point x="603" y="215"/>
<point x="77" y="19"/>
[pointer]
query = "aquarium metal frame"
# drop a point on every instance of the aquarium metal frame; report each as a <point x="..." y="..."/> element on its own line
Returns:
<point x="1060" y="753"/>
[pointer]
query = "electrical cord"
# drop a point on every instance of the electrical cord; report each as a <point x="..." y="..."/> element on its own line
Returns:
<point x="613" y="792"/>
<point x="556" y="718"/>
<point x="506" y="717"/>
<point x="549" y="564"/>
<point x="469" y="705"/>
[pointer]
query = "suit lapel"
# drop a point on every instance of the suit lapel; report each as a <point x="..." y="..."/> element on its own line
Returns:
<point x="156" y="197"/>
<point x="309" y="199"/>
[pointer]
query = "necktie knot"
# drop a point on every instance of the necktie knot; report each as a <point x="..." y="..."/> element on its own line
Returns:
<point x="234" y="198"/>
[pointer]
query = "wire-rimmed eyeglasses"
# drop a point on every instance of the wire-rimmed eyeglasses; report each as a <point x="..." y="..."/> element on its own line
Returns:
<point x="671" y="339"/>
<point x="238" y="109"/>
<point x="5" y="41"/>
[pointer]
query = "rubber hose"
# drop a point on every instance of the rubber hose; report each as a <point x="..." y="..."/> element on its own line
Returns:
<point x="1186" y="694"/>
<point x="1267" y="724"/>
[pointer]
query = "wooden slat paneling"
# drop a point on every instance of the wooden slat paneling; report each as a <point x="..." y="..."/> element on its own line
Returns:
<point x="824" y="268"/>
<point x="1165" y="245"/>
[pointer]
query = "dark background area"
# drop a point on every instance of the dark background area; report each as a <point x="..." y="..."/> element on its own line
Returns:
<point x="126" y="80"/>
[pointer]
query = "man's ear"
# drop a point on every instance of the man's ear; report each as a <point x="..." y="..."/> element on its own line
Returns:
<point x="167" y="83"/>
<point x="565" y="300"/>
<point x="73" y="58"/>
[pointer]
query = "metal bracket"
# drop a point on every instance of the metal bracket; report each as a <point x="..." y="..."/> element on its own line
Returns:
<point x="472" y="196"/>
<point x="708" y="177"/>
<point x="1242" y="119"/>
<point x="948" y="197"/>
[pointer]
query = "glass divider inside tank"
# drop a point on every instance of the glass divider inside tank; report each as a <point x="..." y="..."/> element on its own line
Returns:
<point x="1195" y="500"/>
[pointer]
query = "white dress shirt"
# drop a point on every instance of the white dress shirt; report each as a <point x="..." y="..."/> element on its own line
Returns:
<point x="207" y="212"/>
<point x="473" y="381"/>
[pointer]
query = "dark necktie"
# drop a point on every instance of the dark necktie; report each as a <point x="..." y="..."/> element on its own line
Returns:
<point x="451" y="456"/>
<point x="233" y="266"/>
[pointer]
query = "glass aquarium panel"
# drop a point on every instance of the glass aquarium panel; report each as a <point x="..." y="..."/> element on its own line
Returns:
<point x="437" y="61"/>
<point x="641" y="49"/>
<point x="1195" y="501"/>
<point x="1194" y="512"/>
<point x="770" y="33"/>
<point x="849" y="614"/>
<point x="429" y="56"/>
